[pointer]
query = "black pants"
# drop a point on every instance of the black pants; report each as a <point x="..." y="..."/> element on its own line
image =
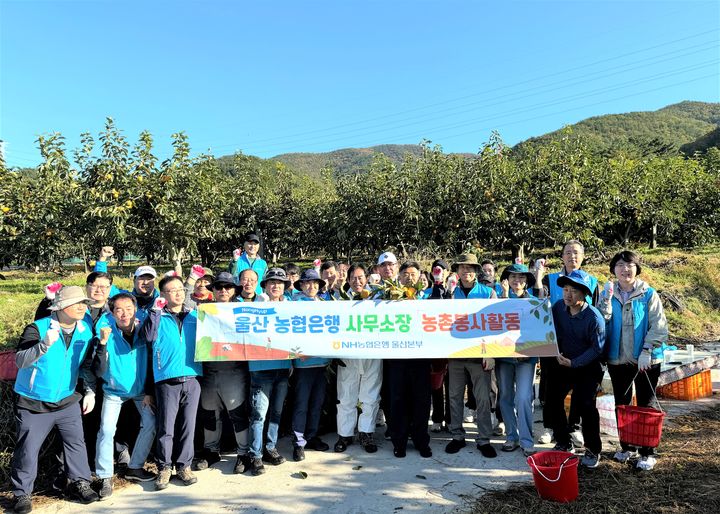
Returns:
<point x="32" y="429"/>
<point x="441" y="403"/>
<point x="584" y="383"/>
<point x="622" y="376"/>
<point x="177" y="405"/>
<point x="408" y="385"/>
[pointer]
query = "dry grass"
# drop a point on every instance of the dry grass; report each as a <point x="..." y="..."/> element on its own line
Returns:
<point x="685" y="479"/>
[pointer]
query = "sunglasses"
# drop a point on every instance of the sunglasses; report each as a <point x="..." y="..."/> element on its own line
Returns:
<point x="227" y="287"/>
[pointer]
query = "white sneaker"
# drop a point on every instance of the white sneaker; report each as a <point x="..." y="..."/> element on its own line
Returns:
<point x="436" y="428"/>
<point x="646" y="463"/>
<point x="499" y="429"/>
<point x="380" y="419"/>
<point x="577" y="439"/>
<point x="546" y="436"/>
<point x="623" y="457"/>
<point x="468" y="416"/>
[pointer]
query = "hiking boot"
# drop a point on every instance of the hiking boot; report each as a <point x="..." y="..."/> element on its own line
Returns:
<point x="455" y="445"/>
<point x="342" y="444"/>
<point x="22" y="504"/>
<point x="367" y="442"/>
<point x="81" y="492"/>
<point x="624" y="456"/>
<point x="399" y="452"/>
<point x="163" y="479"/>
<point x="298" y="453"/>
<point x="546" y="436"/>
<point x="590" y="460"/>
<point x="564" y="447"/>
<point x="106" y="488"/>
<point x="242" y="464"/>
<point x="208" y="458"/>
<point x="273" y="457"/>
<point x="487" y="450"/>
<point x="317" y="444"/>
<point x="139" y="475"/>
<point x="186" y="475"/>
<point x="257" y="467"/>
<point x="60" y="483"/>
<point x="646" y="462"/>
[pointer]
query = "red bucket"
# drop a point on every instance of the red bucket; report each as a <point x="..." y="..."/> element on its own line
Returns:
<point x="555" y="475"/>
<point x="639" y="426"/>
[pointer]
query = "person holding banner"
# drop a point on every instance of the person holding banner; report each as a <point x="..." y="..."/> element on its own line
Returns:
<point x="636" y="329"/>
<point x="268" y="387"/>
<point x="515" y="375"/>
<point x="170" y="330"/>
<point x="358" y="383"/>
<point x="580" y="332"/>
<point x="310" y="383"/>
<point x="408" y="386"/>
<point x="224" y="385"/>
<point x="468" y="268"/>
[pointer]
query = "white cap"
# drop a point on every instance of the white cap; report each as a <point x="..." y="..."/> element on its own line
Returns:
<point x="387" y="257"/>
<point x="145" y="270"/>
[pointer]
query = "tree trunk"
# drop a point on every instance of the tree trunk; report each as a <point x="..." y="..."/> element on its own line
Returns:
<point x="653" y="239"/>
<point x="518" y="252"/>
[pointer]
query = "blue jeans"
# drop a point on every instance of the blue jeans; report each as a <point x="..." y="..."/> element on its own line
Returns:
<point x="108" y="423"/>
<point x="268" y="389"/>
<point x="515" y="382"/>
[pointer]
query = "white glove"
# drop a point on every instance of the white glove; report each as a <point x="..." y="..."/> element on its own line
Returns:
<point x="488" y="364"/>
<point x="172" y="273"/>
<point x="105" y="335"/>
<point x="374" y="278"/>
<point x="197" y="272"/>
<point x="88" y="403"/>
<point x="237" y="252"/>
<point x="317" y="263"/>
<point x="437" y="274"/>
<point x="644" y="361"/>
<point x="52" y="334"/>
<point x="106" y="252"/>
<point x="452" y="283"/>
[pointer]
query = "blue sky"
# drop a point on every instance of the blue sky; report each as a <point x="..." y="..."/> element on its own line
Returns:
<point x="267" y="78"/>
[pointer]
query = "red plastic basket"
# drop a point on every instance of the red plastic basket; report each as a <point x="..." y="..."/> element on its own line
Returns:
<point x="639" y="426"/>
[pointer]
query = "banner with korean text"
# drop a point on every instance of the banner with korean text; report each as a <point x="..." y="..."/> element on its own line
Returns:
<point x="410" y="329"/>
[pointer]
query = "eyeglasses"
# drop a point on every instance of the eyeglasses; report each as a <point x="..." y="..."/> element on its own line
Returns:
<point x="99" y="288"/>
<point x="626" y="265"/>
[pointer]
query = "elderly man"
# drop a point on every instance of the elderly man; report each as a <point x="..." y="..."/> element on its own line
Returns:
<point x="50" y="355"/>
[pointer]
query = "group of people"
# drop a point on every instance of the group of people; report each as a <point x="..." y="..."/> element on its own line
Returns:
<point x="138" y="347"/>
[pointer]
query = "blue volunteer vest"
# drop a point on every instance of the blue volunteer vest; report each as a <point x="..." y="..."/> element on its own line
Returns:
<point x="259" y="266"/>
<point x="54" y="376"/>
<point x="556" y="292"/>
<point x="127" y="366"/>
<point x="613" y="327"/>
<point x="174" y="350"/>
<point x="478" y="291"/>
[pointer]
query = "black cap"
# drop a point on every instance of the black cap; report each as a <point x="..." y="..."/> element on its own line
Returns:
<point x="252" y="236"/>
<point x="441" y="263"/>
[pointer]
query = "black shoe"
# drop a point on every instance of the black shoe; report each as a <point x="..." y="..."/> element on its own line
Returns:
<point x="106" y="488"/>
<point x="298" y="454"/>
<point x="257" y="467"/>
<point x="567" y="447"/>
<point x="342" y="444"/>
<point x="273" y="457"/>
<point x="208" y="458"/>
<point x="487" y="450"/>
<point x="139" y="475"/>
<point x="242" y="464"/>
<point x="22" y="504"/>
<point x="81" y="492"/>
<point x="399" y="452"/>
<point x="425" y="453"/>
<point x="366" y="440"/>
<point x="60" y="483"/>
<point x="317" y="444"/>
<point x="455" y="445"/>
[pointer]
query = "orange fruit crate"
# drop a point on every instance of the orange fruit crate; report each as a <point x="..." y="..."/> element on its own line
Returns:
<point x="690" y="388"/>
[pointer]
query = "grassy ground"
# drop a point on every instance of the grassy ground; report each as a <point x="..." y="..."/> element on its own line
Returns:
<point x="693" y="277"/>
<point x="685" y="478"/>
